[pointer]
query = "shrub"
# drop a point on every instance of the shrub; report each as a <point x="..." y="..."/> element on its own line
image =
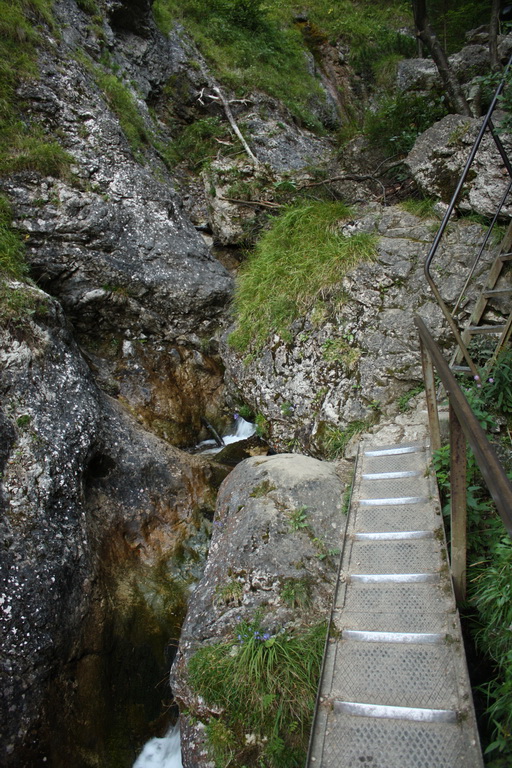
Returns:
<point x="196" y="143"/>
<point x="302" y="254"/>
<point x="399" y="120"/>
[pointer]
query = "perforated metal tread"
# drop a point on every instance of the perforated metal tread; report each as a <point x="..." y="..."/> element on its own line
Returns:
<point x="394" y="690"/>
<point x="380" y="743"/>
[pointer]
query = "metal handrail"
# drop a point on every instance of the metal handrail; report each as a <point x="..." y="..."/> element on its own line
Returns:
<point x="464" y="426"/>
<point x="487" y="124"/>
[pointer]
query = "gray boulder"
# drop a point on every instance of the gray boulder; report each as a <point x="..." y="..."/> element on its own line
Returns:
<point x="256" y="551"/>
<point x="440" y="154"/>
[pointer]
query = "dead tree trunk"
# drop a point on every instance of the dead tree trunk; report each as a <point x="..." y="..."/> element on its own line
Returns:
<point x="493" y="35"/>
<point x="427" y="36"/>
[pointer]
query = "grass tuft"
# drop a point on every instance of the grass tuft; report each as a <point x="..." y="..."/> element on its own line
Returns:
<point x="265" y="685"/>
<point x="303" y="254"/>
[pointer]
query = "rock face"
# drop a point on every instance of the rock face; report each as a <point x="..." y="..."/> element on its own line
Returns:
<point x="440" y="154"/>
<point x="357" y="352"/>
<point x="92" y="509"/>
<point x="256" y="551"/>
<point x="111" y="242"/>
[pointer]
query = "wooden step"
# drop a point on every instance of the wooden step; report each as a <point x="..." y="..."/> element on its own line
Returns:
<point x="497" y="292"/>
<point x="474" y="329"/>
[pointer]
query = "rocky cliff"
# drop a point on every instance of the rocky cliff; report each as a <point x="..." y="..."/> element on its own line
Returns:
<point x="115" y="352"/>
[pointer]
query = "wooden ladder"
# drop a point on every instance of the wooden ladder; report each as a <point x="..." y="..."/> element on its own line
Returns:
<point x="474" y="326"/>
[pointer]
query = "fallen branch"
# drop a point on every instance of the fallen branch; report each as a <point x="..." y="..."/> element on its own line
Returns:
<point x="234" y="126"/>
<point x="257" y="203"/>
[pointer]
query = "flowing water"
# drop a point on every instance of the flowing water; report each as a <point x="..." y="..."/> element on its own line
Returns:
<point x="242" y="431"/>
<point x="161" y="753"/>
<point x="166" y="752"/>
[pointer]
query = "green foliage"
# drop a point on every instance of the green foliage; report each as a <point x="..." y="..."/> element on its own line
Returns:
<point x="421" y="207"/>
<point x="262" y="489"/>
<point x="400" y="119"/>
<point x="404" y="401"/>
<point x="12" y="262"/>
<point x="248" y="49"/>
<point x="123" y="103"/>
<point x="335" y="440"/>
<point x="451" y="19"/>
<point x="246" y="412"/>
<point x="30" y="150"/>
<point x="265" y="684"/>
<point x="299" y="519"/>
<point x="23" y="145"/>
<point x="302" y="254"/>
<point x="296" y="593"/>
<point x="196" y="143"/>
<point x="262" y="425"/>
<point x="489" y="556"/>
<point x="89" y="6"/>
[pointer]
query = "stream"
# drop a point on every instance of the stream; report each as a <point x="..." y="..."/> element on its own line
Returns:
<point x="165" y="752"/>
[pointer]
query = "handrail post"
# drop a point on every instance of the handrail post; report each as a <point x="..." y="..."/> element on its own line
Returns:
<point x="458" y="505"/>
<point x="431" y="397"/>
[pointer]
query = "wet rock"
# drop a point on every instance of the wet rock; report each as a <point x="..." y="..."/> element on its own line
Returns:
<point x="255" y="552"/>
<point x="98" y="517"/>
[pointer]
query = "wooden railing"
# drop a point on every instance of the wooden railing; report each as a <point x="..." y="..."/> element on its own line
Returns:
<point x="463" y="426"/>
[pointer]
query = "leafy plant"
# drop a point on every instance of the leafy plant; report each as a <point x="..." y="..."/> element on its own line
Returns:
<point x="334" y="440"/>
<point x="196" y="143"/>
<point x="399" y="120"/>
<point x="262" y="489"/>
<point x="302" y="254"/>
<point x="265" y="683"/>
<point x="489" y="558"/>
<point x="404" y="401"/>
<point x="299" y="519"/>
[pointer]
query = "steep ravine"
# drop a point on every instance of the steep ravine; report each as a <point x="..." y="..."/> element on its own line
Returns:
<point x="120" y="355"/>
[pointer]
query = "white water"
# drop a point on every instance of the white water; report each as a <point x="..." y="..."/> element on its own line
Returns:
<point x="243" y="430"/>
<point x="161" y="753"/>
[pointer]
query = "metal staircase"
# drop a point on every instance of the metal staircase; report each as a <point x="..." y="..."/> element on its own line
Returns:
<point x="500" y="331"/>
<point x="394" y="691"/>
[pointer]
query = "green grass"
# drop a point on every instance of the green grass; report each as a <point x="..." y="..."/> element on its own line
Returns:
<point x="12" y="263"/>
<point x="421" y="207"/>
<point x="248" y="49"/>
<point x="197" y="143"/>
<point x="334" y="440"/>
<point x="265" y="685"/>
<point x="122" y="102"/>
<point x="23" y="145"/>
<point x="303" y="254"/>
<point x="489" y="599"/>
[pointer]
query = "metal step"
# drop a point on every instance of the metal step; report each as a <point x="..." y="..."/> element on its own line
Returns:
<point x="394" y="691"/>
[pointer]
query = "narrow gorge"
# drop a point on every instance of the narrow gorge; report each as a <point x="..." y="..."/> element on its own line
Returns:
<point x="129" y="208"/>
